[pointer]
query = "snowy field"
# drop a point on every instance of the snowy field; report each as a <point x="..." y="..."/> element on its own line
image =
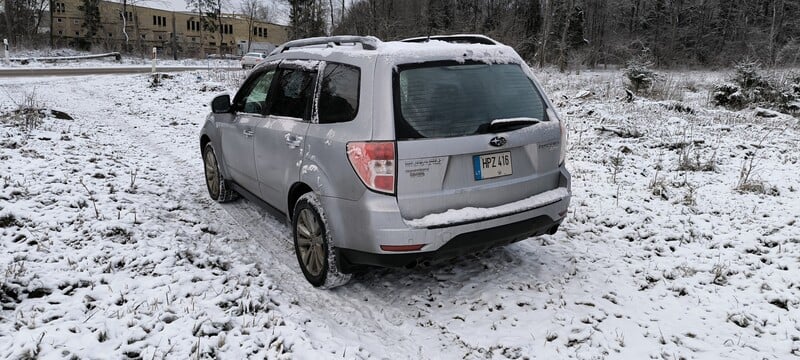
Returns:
<point x="111" y="248"/>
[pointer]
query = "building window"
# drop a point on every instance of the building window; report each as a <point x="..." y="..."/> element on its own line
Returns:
<point x="59" y="19"/>
<point x="60" y="32"/>
<point x="77" y="33"/>
<point x="160" y="38"/>
<point x="259" y="31"/>
<point x="110" y="35"/>
<point x="76" y="22"/>
<point x="159" y="21"/>
<point x="144" y="36"/>
<point x="60" y="7"/>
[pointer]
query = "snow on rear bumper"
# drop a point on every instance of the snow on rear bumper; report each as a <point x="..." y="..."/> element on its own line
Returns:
<point x="468" y="215"/>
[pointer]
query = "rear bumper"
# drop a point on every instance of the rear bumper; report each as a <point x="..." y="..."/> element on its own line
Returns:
<point x="459" y="245"/>
<point x="359" y="228"/>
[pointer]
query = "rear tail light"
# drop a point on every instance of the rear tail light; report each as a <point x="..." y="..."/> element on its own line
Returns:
<point x="374" y="162"/>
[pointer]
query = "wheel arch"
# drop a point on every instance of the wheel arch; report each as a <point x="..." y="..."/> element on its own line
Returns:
<point x="208" y="137"/>
<point x="204" y="140"/>
<point x="295" y="192"/>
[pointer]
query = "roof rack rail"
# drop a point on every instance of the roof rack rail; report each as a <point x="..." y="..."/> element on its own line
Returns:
<point x="461" y="39"/>
<point x="367" y="42"/>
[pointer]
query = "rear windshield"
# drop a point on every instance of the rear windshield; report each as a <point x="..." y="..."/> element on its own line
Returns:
<point x="447" y="100"/>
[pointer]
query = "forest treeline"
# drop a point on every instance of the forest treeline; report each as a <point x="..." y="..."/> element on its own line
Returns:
<point x="566" y="33"/>
<point x="579" y="32"/>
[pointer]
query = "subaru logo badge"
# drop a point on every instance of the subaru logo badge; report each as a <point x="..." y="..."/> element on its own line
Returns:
<point x="498" y="141"/>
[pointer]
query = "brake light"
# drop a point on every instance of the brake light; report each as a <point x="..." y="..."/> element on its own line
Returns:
<point x="374" y="162"/>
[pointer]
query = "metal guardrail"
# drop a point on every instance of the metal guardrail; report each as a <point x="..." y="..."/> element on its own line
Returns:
<point x="117" y="56"/>
<point x="80" y="71"/>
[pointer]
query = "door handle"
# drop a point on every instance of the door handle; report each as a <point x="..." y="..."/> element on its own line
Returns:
<point x="293" y="141"/>
<point x="248" y="132"/>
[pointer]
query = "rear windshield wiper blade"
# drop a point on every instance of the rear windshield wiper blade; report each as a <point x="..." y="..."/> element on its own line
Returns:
<point x="511" y="123"/>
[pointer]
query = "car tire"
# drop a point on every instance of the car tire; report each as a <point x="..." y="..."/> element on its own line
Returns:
<point x="314" y="244"/>
<point x="218" y="188"/>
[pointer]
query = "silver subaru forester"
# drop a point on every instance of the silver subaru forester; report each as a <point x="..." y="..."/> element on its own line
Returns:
<point x="390" y="153"/>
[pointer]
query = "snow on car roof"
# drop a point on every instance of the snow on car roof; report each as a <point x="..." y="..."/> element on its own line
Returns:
<point x="398" y="52"/>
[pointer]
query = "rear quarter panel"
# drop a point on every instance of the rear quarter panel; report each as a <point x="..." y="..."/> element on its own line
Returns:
<point x="325" y="167"/>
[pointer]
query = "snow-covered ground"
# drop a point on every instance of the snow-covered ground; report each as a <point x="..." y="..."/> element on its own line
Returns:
<point x="110" y="247"/>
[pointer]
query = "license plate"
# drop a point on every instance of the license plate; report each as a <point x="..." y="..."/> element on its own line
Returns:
<point x="492" y="165"/>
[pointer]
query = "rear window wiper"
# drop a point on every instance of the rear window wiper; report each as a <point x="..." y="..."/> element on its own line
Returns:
<point x="508" y="124"/>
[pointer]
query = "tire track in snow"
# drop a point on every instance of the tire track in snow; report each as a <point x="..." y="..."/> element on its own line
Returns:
<point x="266" y="240"/>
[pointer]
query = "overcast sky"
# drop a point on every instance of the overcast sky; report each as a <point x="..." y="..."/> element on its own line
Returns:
<point x="280" y="8"/>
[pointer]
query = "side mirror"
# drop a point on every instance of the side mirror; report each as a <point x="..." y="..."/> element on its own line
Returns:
<point x="221" y="104"/>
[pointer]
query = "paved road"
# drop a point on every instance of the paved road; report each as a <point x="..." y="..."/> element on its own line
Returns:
<point x="18" y="72"/>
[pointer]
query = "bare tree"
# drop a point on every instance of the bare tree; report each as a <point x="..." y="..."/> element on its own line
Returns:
<point x="22" y="19"/>
<point x="253" y="10"/>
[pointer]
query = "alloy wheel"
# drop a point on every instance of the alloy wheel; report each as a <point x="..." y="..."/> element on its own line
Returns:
<point x="212" y="174"/>
<point x="310" y="242"/>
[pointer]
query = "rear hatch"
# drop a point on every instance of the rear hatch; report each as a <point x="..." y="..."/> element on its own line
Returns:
<point x="470" y="135"/>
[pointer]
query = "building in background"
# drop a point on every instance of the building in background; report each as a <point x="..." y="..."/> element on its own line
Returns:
<point x="173" y="33"/>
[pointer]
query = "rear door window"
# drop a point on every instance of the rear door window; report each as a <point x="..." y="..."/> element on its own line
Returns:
<point x="451" y="99"/>
<point x="338" y="98"/>
<point x="293" y="93"/>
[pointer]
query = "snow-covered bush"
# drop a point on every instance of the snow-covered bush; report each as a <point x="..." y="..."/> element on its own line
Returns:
<point x="748" y="75"/>
<point x="751" y="87"/>
<point x="639" y="72"/>
<point x="728" y="95"/>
